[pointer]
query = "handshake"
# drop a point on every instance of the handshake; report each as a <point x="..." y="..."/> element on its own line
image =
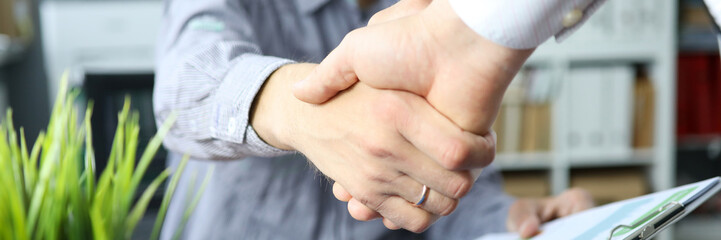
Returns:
<point x="399" y="115"/>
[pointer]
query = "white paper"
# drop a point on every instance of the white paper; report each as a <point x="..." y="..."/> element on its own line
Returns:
<point x="597" y="223"/>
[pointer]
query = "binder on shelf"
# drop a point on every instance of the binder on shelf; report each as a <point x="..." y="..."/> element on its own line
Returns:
<point x="524" y="119"/>
<point x="597" y="105"/>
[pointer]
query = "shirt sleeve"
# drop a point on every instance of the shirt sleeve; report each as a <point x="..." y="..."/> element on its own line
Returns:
<point x="208" y="71"/>
<point x="524" y="24"/>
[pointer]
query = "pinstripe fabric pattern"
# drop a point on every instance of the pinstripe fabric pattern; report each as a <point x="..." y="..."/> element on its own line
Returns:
<point x="522" y="24"/>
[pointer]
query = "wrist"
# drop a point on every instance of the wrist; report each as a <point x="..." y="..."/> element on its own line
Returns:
<point x="488" y="68"/>
<point x="450" y="33"/>
<point x="275" y="108"/>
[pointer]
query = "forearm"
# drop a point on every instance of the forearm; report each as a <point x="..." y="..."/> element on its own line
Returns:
<point x="493" y="66"/>
<point x="210" y="77"/>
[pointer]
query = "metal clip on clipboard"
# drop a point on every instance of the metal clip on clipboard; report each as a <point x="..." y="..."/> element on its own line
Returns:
<point x="654" y="222"/>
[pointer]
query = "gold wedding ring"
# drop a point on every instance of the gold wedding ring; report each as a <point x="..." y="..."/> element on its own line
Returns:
<point x="424" y="196"/>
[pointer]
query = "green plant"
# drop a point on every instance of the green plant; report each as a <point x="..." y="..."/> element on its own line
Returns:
<point x="52" y="192"/>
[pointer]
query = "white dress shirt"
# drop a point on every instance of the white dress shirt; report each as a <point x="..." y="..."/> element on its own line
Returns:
<point x="524" y="24"/>
<point x="714" y="6"/>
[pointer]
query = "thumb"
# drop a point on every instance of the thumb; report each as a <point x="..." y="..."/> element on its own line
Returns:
<point x="334" y="74"/>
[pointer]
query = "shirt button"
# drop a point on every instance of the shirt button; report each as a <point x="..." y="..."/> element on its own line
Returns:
<point x="572" y="18"/>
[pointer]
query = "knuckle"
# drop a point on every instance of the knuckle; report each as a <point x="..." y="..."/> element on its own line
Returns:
<point x="377" y="150"/>
<point x="352" y="35"/>
<point x="370" y="199"/>
<point x="381" y="205"/>
<point x="449" y="207"/>
<point x="379" y="177"/>
<point x="490" y="152"/>
<point x="455" y="154"/>
<point x="459" y="186"/>
<point x="347" y="78"/>
<point x="420" y="224"/>
<point x="376" y="18"/>
<point x="363" y="214"/>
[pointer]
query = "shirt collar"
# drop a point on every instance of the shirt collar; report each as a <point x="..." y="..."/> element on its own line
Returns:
<point x="310" y="6"/>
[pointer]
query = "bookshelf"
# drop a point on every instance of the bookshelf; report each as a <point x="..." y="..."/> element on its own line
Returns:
<point x="622" y="32"/>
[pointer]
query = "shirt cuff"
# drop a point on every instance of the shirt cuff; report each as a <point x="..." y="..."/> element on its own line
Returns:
<point x="263" y="149"/>
<point x="235" y="96"/>
<point x="523" y="24"/>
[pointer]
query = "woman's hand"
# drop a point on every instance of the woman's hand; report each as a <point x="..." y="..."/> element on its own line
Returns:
<point x="526" y="215"/>
<point x="382" y="146"/>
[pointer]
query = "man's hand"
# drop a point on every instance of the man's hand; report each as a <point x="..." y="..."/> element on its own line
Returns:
<point x="527" y="215"/>
<point x="381" y="145"/>
<point x="431" y="53"/>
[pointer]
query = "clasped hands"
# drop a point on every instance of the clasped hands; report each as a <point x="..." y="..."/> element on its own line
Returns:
<point x="421" y="114"/>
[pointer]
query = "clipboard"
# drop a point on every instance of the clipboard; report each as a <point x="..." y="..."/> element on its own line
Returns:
<point x="649" y="226"/>
<point x="638" y="218"/>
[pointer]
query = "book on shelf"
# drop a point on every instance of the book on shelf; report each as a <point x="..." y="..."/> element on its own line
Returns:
<point x="644" y="111"/>
<point x="536" y="124"/>
<point x="535" y="130"/>
<point x="15" y="18"/>
<point x="510" y="133"/>
<point x="606" y="110"/>
<point x="696" y="28"/>
<point x="596" y="103"/>
<point x="523" y="123"/>
<point x="698" y="95"/>
<point x="7" y="21"/>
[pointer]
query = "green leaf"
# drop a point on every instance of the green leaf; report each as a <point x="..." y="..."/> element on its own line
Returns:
<point x="168" y="195"/>
<point x="151" y="149"/>
<point x="189" y="210"/>
<point x="139" y="210"/>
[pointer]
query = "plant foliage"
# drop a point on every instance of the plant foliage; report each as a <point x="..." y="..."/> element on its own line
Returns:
<point x="53" y="190"/>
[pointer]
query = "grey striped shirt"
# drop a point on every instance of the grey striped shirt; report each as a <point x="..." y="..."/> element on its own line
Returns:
<point x="212" y="58"/>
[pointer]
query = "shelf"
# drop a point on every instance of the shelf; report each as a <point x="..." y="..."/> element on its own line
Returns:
<point x="640" y="157"/>
<point x="524" y="161"/>
<point x="698" y="41"/>
<point x="545" y="160"/>
<point x="606" y="52"/>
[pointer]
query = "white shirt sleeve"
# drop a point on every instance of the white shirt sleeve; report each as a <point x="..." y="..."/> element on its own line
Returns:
<point x="524" y="24"/>
<point x="714" y="6"/>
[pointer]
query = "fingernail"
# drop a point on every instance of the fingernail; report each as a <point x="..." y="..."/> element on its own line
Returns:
<point x="525" y="226"/>
<point x="529" y="228"/>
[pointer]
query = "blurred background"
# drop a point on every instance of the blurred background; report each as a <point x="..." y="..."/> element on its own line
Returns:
<point x="627" y="105"/>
